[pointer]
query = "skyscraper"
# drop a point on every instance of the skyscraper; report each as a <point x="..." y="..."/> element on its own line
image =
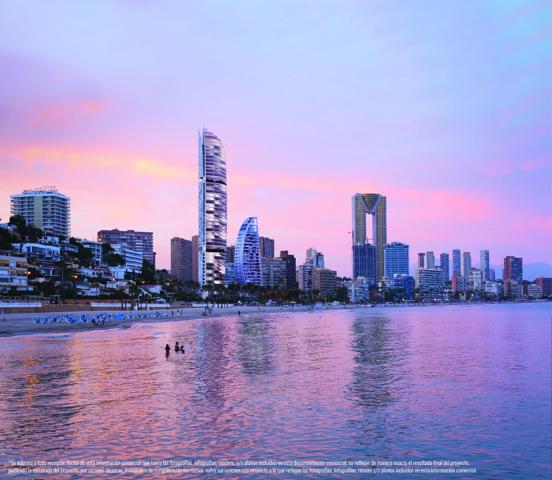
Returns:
<point x="141" y="242"/>
<point x="364" y="256"/>
<point x="212" y="209"/>
<point x="467" y="265"/>
<point x="475" y="280"/>
<point x="247" y="259"/>
<point x="267" y="247"/>
<point x="376" y="205"/>
<point x="291" y="277"/>
<point x="230" y="253"/>
<point x="274" y="272"/>
<point x="456" y="263"/>
<point x="304" y="277"/>
<point x="230" y="270"/>
<point x="44" y="208"/>
<point x="315" y="258"/>
<point x="444" y="263"/>
<point x="430" y="260"/>
<point x="395" y="256"/>
<point x="181" y="259"/>
<point x="485" y="264"/>
<point x="421" y="260"/>
<point x="195" y="253"/>
<point x="513" y="269"/>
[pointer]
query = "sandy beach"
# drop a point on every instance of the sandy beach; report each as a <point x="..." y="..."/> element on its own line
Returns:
<point x="22" y="323"/>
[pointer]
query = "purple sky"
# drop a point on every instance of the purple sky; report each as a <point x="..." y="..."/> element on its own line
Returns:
<point x="443" y="106"/>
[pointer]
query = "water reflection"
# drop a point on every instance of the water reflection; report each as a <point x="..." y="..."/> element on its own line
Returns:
<point x="35" y="399"/>
<point x="373" y="372"/>
<point x="450" y="382"/>
<point x="255" y="345"/>
<point x="212" y="361"/>
<point x="378" y="370"/>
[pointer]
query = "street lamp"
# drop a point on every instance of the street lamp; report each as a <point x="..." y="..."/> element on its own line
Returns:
<point x="74" y="287"/>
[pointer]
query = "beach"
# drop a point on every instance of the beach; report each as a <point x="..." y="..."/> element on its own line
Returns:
<point x="22" y="323"/>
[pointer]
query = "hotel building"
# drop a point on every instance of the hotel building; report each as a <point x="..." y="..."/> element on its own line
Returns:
<point x="44" y="208"/>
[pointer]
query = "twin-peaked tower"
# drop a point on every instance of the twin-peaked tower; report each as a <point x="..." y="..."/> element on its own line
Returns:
<point x="375" y="205"/>
<point x="212" y="210"/>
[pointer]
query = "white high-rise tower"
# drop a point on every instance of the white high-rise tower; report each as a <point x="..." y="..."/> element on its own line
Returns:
<point x="212" y="210"/>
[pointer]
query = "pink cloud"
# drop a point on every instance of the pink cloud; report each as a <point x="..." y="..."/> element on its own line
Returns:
<point x="533" y="165"/>
<point x="112" y="186"/>
<point x="65" y="114"/>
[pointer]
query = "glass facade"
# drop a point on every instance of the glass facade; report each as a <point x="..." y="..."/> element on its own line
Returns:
<point x="513" y="269"/>
<point x="444" y="263"/>
<point x="364" y="257"/>
<point x="467" y="266"/>
<point x="430" y="260"/>
<point x="212" y="210"/>
<point x="247" y="259"/>
<point x="404" y="283"/>
<point x="396" y="259"/>
<point x="485" y="264"/>
<point x="456" y="263"/>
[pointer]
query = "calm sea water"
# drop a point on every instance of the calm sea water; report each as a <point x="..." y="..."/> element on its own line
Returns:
<point x="460" y="383"/>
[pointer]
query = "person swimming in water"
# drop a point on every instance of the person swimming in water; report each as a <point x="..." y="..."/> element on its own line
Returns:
<point x="176" y="347"/>
<point x="167" y="350"/>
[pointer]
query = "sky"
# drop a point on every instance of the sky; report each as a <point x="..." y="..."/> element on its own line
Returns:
<point x="444" y="107"/>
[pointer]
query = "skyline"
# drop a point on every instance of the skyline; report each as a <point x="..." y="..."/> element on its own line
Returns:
<point x="462" y="153"/>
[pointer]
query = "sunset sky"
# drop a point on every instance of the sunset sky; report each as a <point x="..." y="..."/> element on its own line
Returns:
<point x="444" y="106"/>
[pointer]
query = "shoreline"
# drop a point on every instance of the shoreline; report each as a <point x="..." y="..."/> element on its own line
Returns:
<point x="22" y="323"/>
<point x="12" y="324"/>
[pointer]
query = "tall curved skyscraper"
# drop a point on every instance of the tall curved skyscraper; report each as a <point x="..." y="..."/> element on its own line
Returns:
<point x="247" y="258"/>
<point x="212" y="210"/>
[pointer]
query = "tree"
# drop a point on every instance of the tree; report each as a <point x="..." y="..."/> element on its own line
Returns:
<point x="19" y="223"/>
<point x="106" y="248"/>
<point x="109" y="257"/>
<point x="34" y="234"/>
<point x="147" y="274"/>
<point x="342" y="294"/>
<point x="6" y="239"/>
<point x="47" y="288"/>
<point x="26" y="232"/>
<point x="84" y="256"/>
